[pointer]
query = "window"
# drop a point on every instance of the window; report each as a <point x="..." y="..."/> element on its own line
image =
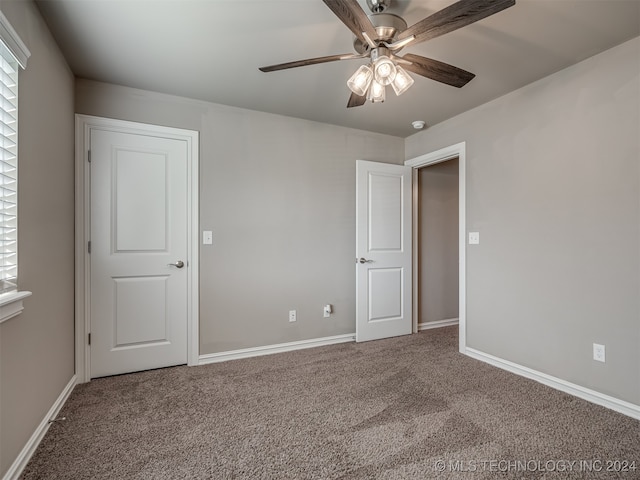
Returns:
<point x="8" y="170"/>
<point x="13" y="54"/>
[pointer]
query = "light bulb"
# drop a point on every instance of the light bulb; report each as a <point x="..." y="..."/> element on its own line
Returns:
<point x="402" y="82"/>
<point x="359" y="81"/>
<point x="376" y="92"/>
<point x="384" y="70"/>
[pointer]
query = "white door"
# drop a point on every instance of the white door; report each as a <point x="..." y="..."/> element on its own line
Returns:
<point x="383" y="250"/>
<point x="139" y="238"/>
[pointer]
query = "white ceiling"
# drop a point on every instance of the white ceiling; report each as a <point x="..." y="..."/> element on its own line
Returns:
<point x="211" y="50"/>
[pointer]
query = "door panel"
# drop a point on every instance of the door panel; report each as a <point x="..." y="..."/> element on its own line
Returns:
<point x="140" y="196"/>
<point x="385" y="212"/>
<point x="383" y="250"/>
<point x="139" y="207"/>
<point x="136" y="322"/>
<point x="385" y="294"/>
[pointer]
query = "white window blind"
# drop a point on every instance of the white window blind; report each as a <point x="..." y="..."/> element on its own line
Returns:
<point x="8" y="170"/>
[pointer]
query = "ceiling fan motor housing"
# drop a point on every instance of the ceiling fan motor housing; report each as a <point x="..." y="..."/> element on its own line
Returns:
<point x="387" y="26"/>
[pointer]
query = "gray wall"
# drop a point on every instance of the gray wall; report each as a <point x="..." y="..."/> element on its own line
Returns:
<point x="553" y="187"/>
<point x="438" y="240"/>
<point x="36" y="348"/>
<point x="279" y="195"/>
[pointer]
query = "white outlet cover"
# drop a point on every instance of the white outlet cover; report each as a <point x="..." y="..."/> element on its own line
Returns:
<point x="598" y="352"/>
<point x="474" y="238"/>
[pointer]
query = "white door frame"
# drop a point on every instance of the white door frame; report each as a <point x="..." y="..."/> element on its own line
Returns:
<point x="448" y="153"/>
<point x="84" y="125"/>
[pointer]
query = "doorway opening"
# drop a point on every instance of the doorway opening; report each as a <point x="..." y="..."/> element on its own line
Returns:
<point x="437" y="242"/>
<point x="434" y="278"/>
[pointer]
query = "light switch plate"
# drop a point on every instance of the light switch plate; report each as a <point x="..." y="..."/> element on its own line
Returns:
<point x="207" y="237"/>
<point x="474" y="238"/>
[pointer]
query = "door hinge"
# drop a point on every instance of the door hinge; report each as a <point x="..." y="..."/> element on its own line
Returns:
<point x="89" y="339"/>
<point x="89" y="247"/>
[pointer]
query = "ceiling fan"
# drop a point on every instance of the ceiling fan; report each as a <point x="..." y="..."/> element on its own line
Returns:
<point x="380" y="37"/>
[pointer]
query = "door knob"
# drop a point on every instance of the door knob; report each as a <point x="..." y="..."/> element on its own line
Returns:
<point x="364" y="260"/>
<point x="178" y="264"/>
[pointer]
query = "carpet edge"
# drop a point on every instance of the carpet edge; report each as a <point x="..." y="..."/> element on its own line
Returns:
<point x="621" y="406"/>
<point x="275" y="348"/>
<point x="21" y="461"/>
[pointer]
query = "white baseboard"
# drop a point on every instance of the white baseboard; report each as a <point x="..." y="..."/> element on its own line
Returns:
<point x="25" y="454"/>
<point x="438" y="324"/>
<point x="592" y="396"/>
<point x="277" y="348"/>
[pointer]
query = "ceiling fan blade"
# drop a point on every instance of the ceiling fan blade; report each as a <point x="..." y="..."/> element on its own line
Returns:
<point x="356" y="100"/>
<point x="438" y="71"/>
<point x="352" y="15"/>
<point x="310" y="61"/>
<point x="453" y="17"/>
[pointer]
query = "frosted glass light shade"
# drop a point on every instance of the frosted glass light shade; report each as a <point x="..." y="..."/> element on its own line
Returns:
<point x="376" y="92"/>
<point x="359" y="81"/>
<point x="384" y="70"/>
<point x="402" y="82"/>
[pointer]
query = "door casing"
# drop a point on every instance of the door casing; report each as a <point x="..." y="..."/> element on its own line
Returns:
<point x="84" y="125"/>
<point x="448" y="153"/>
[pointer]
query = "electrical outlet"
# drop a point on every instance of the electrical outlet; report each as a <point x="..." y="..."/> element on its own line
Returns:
<point x="598" y="353"/>
<point x="293" y="316"/>
<point x="474" y="238"/>
<point x="327" y="310"/>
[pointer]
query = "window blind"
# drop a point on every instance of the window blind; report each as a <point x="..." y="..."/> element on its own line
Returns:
<point x="8" y="170"/>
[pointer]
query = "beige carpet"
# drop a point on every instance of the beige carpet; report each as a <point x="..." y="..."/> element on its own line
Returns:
<point x="408" y="407"/>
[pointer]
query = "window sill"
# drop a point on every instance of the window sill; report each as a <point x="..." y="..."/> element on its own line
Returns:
<point x="11" y="304"/>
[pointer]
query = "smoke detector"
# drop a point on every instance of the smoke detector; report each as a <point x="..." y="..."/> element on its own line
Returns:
<point x="418" y="124"/>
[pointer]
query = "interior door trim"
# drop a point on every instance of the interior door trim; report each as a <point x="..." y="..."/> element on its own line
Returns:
<point x="448" y="153"/>
<point x="84" y="124"/>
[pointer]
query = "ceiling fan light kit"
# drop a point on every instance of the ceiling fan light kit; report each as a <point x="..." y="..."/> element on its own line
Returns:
<point x="371" y="80"/>
<point x="380" y="37"/>
<point x="380" y="73"/>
